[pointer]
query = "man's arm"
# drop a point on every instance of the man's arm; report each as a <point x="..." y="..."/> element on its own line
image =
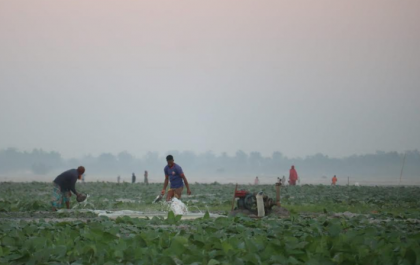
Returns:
<point x="165" y="184"/>
<point x="73" y="187"/>
<point x="186" y="183"/>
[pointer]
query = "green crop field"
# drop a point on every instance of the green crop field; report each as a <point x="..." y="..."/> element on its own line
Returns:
<point x="327" y="225"/>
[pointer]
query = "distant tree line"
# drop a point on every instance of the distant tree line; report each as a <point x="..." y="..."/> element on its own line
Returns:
<point x="380" y="164"/>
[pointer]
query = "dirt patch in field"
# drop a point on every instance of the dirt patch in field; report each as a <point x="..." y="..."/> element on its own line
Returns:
<point x="276" y="211"/>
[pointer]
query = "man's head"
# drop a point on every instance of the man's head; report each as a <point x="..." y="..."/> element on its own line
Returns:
<point x="170" y="160"/>
<point x="80" y="171"/>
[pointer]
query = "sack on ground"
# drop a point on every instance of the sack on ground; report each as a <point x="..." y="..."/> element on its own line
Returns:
<point x="178" y="207"/>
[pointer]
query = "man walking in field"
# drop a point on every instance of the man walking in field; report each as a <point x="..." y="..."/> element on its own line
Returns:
<point x="174" y="175"/>
<point x="133" y="178"/>
<point x="293" y="176"/>
<point x="64" y="185"/>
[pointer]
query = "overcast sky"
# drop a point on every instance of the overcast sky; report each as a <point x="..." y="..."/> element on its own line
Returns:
<point x="296" y="76"/>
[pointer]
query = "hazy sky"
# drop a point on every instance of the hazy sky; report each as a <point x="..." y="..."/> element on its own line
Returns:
<point x="297" y="76"/>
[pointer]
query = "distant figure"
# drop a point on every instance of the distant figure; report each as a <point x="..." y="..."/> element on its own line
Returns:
<point x="283" y="181"/>
<point x="146" y="175"/>
<point x="293" y="176"/>
<point x="118" y="179"/>
<point x="334" y="180"/>
<point x="256" y="181"/>
<point x="64" y="185"/>
<point x="133" y="178"/>
<point x="278" y="180"/>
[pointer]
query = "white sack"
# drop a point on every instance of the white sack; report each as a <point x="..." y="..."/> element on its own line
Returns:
<point x="178" y="207"/>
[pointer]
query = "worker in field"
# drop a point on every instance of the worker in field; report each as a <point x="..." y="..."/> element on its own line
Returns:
<point x="133" y="178"/>
<point x="293" y="176"/>
<point x="257" y="181"/>
<point x="283" y="181"/>
<point x="64" y="185"/>
<point x="146" y="177"/>
<point x="334" y="181"/>
<point x="118" y="179"/>
<point x="174" y="175"/>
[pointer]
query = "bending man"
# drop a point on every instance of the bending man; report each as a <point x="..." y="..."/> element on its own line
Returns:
<point x="64" y="184"/>
<point x="174" y="174"/>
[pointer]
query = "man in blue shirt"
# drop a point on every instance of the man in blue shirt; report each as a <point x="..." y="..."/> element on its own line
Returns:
<point x="175" y="175"/>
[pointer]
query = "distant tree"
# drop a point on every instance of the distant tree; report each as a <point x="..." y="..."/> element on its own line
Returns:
<point x="125" y="158"/>
<point x="277" y="156"/>
<point x="152" y="161"/>
<point x="186" y="159"/>
<point x="107" y="163"/>
<point x="255" y="160"/>
<point x="378" y="165"/>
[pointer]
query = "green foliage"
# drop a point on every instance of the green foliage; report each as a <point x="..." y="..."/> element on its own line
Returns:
<point x="238" y="240"/>
<point x="18" y="197"/>
<point x="313" y="235"/>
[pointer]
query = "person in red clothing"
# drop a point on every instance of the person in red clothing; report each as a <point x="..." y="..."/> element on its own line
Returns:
<point x="293" y="176"/>
<point x="257" y="181"/>
<point x="334" y="180"/>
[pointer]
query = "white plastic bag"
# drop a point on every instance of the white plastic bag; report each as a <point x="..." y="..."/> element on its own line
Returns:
<point x="178" y="207"/>
<point x="260" y="204"/>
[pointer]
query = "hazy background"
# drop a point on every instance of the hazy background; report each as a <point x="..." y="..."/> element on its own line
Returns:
<point x="380" y="168"/>
<point x="83" y="78"/>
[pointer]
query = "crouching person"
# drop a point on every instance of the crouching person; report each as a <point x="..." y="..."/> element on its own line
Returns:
<point x="64" y="185"/>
